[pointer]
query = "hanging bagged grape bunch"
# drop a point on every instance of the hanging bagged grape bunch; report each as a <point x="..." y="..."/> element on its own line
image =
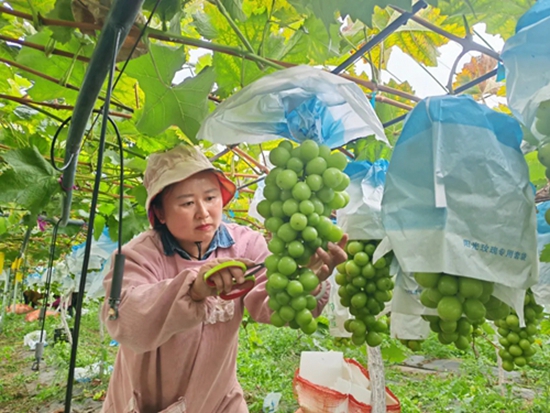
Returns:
<point x="460" y="303"/>
<point x="517" y="342"/>
<point x="365" y="287"/>
<point x="301" y="192"/>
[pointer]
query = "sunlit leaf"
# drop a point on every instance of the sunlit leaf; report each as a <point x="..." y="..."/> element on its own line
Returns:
<point x="184" y="105"/>
<point x="499" y="20"/>
<point x="476" y="67"/>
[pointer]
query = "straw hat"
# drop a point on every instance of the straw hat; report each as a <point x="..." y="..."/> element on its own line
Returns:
<point x="175" y="165"/>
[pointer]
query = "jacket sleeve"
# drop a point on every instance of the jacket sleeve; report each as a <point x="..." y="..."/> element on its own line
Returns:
<point x="152" y="309"/>
<point x="256" y="301"/>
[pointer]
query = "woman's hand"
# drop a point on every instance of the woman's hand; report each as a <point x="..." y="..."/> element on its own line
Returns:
<point x="224" y="280"/>
<point x="322" y="263"/>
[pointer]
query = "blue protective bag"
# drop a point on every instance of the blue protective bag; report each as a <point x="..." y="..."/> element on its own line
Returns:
<point x="457" y="197"/>
<point x="526" y="58"/>
<point x="362" y="219"/>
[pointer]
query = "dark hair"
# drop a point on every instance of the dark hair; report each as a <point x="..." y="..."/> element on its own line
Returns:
<point x="157" y="203"/>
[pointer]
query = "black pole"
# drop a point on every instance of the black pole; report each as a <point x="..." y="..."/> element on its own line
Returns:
<point x="40" y="346"/>
<point x="89" y="236"/>
<point x="474" y="82"/>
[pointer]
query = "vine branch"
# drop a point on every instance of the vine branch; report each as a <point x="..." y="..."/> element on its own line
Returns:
<point x="56" y="106"/>
<point x="56" y="81"/>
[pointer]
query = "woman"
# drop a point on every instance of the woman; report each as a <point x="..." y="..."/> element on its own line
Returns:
<point x="178" y="340"/>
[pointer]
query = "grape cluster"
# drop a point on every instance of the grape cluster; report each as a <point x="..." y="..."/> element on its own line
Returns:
<point x="301" y="192"/>
<point x="460" y="303"/>
<point x="341" y="342"/>
<point x="365" y="287"/>
<point x="516" y="341"/>
<point x="414" y="345"/>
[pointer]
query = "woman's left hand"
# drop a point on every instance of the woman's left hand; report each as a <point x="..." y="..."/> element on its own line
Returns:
<point x="323" y="262"/>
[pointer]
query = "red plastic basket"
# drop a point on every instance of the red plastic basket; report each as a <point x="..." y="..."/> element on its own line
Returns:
<point x="313" y="398"/>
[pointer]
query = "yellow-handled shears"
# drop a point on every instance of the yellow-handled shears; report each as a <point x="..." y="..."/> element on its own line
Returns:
<point x="238" y="289"/>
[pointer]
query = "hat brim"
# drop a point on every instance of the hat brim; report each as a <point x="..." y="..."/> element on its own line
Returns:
<point x="228" y="190"/>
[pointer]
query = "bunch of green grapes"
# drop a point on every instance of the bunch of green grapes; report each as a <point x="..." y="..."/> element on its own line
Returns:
<point x="301" y="192"/>
<point x="365" y="287"/>
<point x="460" y="304"/>
<point x="414" y="345"/>
<point x="517" y="341"/>
<point x="341" y="342"/>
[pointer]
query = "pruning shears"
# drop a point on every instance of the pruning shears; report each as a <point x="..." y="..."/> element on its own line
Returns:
<point x="238" y="289"/>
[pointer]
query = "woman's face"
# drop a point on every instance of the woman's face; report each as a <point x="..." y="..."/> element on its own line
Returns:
<point x="192" y="209"/>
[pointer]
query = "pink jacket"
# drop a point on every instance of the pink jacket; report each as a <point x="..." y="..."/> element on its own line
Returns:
<point x="177" y="355"/>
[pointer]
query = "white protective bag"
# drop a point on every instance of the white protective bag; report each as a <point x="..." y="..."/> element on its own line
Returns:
<point x="458" y="199"/>
<point x="298" y="103"/>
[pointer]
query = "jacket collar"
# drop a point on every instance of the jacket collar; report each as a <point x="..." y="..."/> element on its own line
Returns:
<point x="222" y="239"/>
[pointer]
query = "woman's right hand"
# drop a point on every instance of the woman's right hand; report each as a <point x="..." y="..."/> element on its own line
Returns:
<point x="224" y="279"/>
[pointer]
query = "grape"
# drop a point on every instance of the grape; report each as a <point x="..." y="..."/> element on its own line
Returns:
<point x="517" y="342"/>
<point x="414" y="345"/>
<point x="462" y="304"/>
<point x="364" y="289"/>
<point x="305" y="187"/>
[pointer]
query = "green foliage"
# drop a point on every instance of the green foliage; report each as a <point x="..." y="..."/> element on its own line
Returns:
<point x="62" y="11"/>
<point x="30" y="181"/>
<point x="499" y="20"/>
<point x="545" y="254"/>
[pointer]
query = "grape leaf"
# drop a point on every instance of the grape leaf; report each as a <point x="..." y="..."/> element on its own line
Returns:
<point x="184" y="105"/>
<point x="31" y="181"/>
<point x="312" y="44"/>
<point x="537" y="170"/>
<point x="204" y="26"/>
<point x="99" y="224"/>
<point x="54" y="66"/>
<point x="393" y="353"/>
<point x="322" y="9"/>
<point x="476" y="67"/>
<point x="363" y="10"/>
<point x="165" y="9"/>
<point x="3" y="226"/>
<point x="62" y="11"/>
<point x="39" y="6"/>
<point x="235" y="9"/>
<point x="499" y="20"/>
